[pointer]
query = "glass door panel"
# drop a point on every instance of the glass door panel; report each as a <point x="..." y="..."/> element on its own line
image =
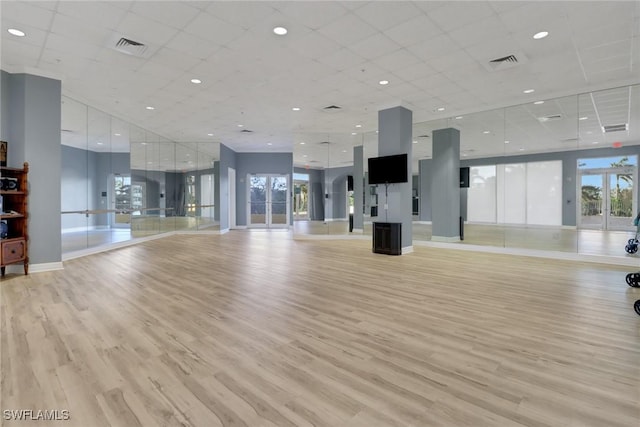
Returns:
<point x="278" y="199"/>
<point x="591" y="201"/>
<point x="258" y="201"/>
<point x="620" y="204"/>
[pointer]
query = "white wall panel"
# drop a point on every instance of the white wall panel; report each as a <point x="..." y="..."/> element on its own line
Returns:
<point x="544" y="193"/>
<point x="481" y="195"/>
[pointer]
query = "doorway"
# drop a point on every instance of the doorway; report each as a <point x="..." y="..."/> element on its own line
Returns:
<point x="120" y="201"/>
<point x="608" y="198"/>
<point x="268" y="201"/>
<point x="301" y="198"/>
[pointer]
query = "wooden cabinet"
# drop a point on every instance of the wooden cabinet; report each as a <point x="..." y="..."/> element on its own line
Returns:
<point x="387" y="238"/>
<point x="14" y="236"/>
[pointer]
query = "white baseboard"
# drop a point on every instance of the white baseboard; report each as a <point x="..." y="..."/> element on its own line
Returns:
<point x="224" y="230"/>
<point x="422" y="222"/>
<point x="239" y="227"/>
<point x="445" y="239"/>
<point x="358" y="230"/>
<point x="104" y="248"/>
<point x="407" y="249"/>
<point x="45" y="266"/>
<point x="335" y="219"/>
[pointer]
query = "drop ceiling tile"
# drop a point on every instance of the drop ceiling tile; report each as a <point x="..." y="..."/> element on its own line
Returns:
<point x="144" y="30"/>
<point x="398" y="59"/>
<point x="375" y="46"/>
<point x="71" y="27"/>
<point x="384" y="15"/>
<point x="585" y="15"/>
<point x="602" y="35"/>
<point x="437" y="46"/>
<point x="314" y="45"/>
<point x="16" y="53"/>
<point x="175" y="59"/>
<point x="172" y="14"/>
<point x="341" y="59"/>
<point x="212" y="29"/>
<point x="534" y="15"/>
<point x="94" y="13"/>
<point x="30" y="15"/>
<point x="606" y="52"/>
<point x="413" y="72"/>
<point x="193" y="45"/>
<point x="347" y="30"/>
<point x="452" y="61"/>
<point x="415" y="30"/>
<point x="454" y="15"/>
<point x="312" y="14"/>
<point x="479" y="31"/>
<point x="109" y="58"/>
<point x="80" y="48"/>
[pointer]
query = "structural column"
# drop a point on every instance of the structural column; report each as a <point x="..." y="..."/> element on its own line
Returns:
<point x="445" y="185"/>
<point x="358" y="195"/>
<point x="31" y="119"/>
<point x="395" y="129"/>
<point x="424" y="190"/>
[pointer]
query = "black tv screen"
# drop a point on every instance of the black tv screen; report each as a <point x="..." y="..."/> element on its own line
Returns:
<point x="388" y="169"/>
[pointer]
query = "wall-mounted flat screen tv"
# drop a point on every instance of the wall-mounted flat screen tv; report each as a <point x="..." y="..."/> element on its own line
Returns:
<point x="388" y="169"/>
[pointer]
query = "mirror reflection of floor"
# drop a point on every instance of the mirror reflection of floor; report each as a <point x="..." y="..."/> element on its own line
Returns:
<point x="591" y="242"/>
<point x="139" y="227"/>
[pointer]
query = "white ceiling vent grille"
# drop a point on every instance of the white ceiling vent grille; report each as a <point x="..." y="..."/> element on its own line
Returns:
<point x="615" y="128"/>
<point x="550" y="118"/>
<point x="332" y="109"/>
<point x="129" y="46"/>
<point x="505" y="62"/>
<point x="246" y="131"/>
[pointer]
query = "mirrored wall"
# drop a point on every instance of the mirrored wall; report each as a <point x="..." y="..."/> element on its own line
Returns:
<point x="552" y="174"/>
<point x="120" y="182"/>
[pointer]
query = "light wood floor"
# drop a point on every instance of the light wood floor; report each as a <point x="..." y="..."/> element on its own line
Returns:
<point x="255" y="329"/>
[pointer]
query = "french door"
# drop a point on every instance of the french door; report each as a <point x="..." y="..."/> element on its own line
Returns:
<point x="608" y="200"/>
<point x="268" y="201"/>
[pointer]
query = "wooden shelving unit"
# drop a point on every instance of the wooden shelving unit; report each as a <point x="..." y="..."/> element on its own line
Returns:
<point x="15" y="214"/>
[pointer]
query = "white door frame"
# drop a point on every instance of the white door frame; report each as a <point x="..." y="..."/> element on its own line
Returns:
<point x="605" y="173"/>
<point x="268" y="220"/>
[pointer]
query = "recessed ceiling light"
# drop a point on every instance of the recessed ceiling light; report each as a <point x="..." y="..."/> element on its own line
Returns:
<point x="540" y="35"/>
<point x="304" y="155"/>
<point x="296" y="108"/>
<point x="583" y="118"/>
<point x="529" y="90"/>
<point x="209" y="134"/>
<point x="143" y="143"/>
<point x="377" y="131"/>
<point x="415" y="142"/>
<point x="441" y="109"/>
<point x="521" y="149"/>
<point x="539" y="102"/>
<point x="196" y="81"/>
<point x="486" y="132"/>
<point x="344" y="151"/>
<point x="100" y="143"/>
<point x="464" y="154"/>
<point x="116" y="134"/>
<point x="458" y="117"/>
<point x="268" y="143"/>
<point x="16" y="32"/>
<point x="149" y="163"/>
<point x="354" y="133"/>
<point x="506" y="142"/>
<point x="384" y="82"/>
<point x="151" y="108"/>
<point x="302" y="143"/>
<point x="595" y="142"/>
<point x="240" y="126"/>
<point x="358" y="126"/>
<point x="281" y="31"/>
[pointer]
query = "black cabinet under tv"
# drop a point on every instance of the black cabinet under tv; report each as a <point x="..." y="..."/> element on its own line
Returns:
<point x="387" y="238"/>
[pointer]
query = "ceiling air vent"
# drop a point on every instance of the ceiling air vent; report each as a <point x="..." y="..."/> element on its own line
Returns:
<point x="246" y="131"/>
<point x="615" y="128"/>
<point x="505" y="62"/>
<point x="324" y="142"/>
<point x="131" y="47"/>
<point x="424" y="136"/>
<point x="550" y="118"/>
<point x="332" y="107"/>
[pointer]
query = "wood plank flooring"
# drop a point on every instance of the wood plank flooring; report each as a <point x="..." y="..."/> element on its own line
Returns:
<point x="255" y="329"/>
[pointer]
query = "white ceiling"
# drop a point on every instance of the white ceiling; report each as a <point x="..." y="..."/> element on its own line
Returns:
<point x="435" y="54"/>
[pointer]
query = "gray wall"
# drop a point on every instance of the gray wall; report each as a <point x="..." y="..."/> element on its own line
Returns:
<point x="358" y="187"/>
<point x="31" y="124"/>
<point x="569" y="169"/>
<point x="445" y="184"/>
<point x="424" y="189"/>
<point x="259" y="163"/>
